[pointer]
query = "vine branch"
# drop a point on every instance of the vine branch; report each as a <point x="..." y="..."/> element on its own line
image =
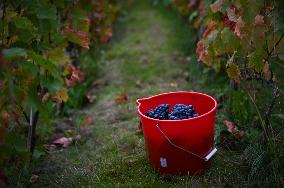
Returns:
<point x="275" y="94"/>
<point x="275" y="45"/>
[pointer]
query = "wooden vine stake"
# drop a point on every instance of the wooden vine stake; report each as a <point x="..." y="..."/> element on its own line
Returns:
<point x="32" y="132"/>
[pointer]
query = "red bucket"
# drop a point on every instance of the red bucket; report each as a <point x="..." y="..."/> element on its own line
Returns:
<point x="179" y="147"/>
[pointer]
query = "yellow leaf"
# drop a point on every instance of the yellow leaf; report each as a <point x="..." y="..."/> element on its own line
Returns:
<point x="266" y="71"/>
<point x="61" y="95"/>
<point x="233" y="70"/>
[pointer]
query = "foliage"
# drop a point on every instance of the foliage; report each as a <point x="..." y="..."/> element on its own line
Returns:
<point x="40" y="45"/>
<point x="245" y="38"/>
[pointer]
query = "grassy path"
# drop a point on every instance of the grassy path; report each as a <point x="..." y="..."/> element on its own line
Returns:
<point x="145" y="59"/>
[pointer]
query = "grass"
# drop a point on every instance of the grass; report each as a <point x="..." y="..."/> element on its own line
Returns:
<point x="149" y="55"/>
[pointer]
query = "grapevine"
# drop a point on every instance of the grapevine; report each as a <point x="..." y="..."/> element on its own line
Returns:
<point x="40" y="46"/>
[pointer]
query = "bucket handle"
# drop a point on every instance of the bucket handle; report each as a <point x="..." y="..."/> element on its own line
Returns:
<point x="206" y="158"/>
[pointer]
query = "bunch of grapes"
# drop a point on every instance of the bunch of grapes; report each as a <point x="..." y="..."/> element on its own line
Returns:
<point x="180" y="111"/>
<point x="160" y="112"/>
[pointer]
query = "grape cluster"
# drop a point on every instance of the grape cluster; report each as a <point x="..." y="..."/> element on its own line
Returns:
<point x="160" y="112"/>
<point x="180" y="111"/>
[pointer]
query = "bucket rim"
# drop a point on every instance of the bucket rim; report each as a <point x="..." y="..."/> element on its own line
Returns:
<point x="138" y="102"/>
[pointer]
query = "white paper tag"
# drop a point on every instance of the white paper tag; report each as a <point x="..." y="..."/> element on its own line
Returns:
<point x="163" y="162"/>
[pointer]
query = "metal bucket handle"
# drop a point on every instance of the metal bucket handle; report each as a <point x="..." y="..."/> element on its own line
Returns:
<point x="210" y="154"/>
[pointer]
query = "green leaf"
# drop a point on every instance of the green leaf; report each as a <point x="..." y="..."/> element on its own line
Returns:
<point x="250" y="9"/>
<point x="29" y="67"/>
<point x="51" y="84"/>
<point x="58" y="56"/>
<point x="33" y="100"/>
<point x="46" y="12"/>
<point x="44" y="63"/>
<point x="278" y="18"/>
<point x="14" y="53"/>
<point x="58" y="38"/>
<point x="23" y="28"/>
<point x="256" y="60"/>
<point x="80" y="19"/>
<point x="231" y="42"/>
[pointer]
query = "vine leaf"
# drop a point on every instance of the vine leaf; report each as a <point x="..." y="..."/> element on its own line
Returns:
<point x="266" y="71"/>
<point x="202" y="50"/>
<point x="14" y="53"/>
<point x="259" y="19"/>
<point x="233" y="70"/>
<point x="61" y="95"/>
<point x="230" y="41"/>
<point x="228" y="22"/>
<point x="256" y="59"/>
<point x="73" y="75"/>
<point x="232" y="128"/>
<point x="239" y="25"/>
<point x="57" y="55"/>
<point x="44" y="63"/>
<point x="24" y="29"/>
<point x="46" y="11"/>
<point x="76" y="36"/>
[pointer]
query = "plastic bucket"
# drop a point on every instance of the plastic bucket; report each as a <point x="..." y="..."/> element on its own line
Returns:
<point x="179" y="147"/>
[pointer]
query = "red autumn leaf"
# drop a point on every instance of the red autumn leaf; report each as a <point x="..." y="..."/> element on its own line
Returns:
<point x="232" y="128"/>
<point x="259" y="19"/>
<point x="79" y="37"/>
<point x="64" y="142"/>
<point x="69" y="82"/>
<point x="229" y="23"/>
<point x="74" y="76"/>
<point x="201" y="50"/>
<point x="239" y="25"/>
<point x="123" y="98"/>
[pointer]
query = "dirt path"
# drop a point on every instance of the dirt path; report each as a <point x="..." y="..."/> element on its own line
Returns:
<point x="145" y="59"/>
